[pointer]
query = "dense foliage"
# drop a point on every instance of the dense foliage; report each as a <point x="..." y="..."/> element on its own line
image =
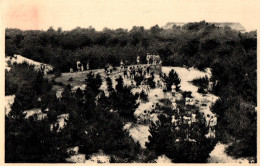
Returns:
<point x="28" y="140"/>
<point x="171" y="79"/>
<point x="91" y="125"/>
<point x="27" y="84"/>
<point x="230" y="54"/>
<point x="183" y="144"/>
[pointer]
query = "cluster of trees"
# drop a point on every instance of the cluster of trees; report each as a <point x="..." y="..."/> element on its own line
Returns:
<point x="183" y="143"/>
<point x="28" y="86"/>
<point x="23" y="75"/>
<point x="31" y="141"/>
<point x="235" y="78"/>
<point x="95" y="123"/>
<point x="237" y="102"/>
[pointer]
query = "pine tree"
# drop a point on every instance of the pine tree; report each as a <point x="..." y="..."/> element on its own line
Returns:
<point x="30" y="141"/>
<point x="109" y="84"/>
<point x="171" y="79"/>
<point x="143" y="96"/>
<point x="120" y="84"/>
<point x="138" y="80"/>
<point x="93" y="82"/>
<point x="165" y="139"/>
<point x="25" y="99"/>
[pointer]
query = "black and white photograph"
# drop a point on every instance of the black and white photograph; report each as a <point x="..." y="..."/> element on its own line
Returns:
<point x="112" y="81"/>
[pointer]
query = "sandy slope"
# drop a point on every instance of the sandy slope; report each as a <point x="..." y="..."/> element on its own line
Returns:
<point x="187" y="75"/>
<point x="140" y="133"/>
<point x="218" y="155"/>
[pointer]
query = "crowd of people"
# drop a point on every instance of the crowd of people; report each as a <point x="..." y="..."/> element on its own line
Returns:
<point x="150" y="59"/>
<point x="153" y="59"/>
<point x="149" y="116"/>
<point x="80" y="67"/>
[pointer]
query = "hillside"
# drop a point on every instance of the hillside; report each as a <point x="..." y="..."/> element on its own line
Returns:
<point x="202" y="96"/>
<point x="18" y="59"/>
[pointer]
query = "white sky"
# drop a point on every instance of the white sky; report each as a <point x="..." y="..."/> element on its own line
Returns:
<point x="68" y="14"/>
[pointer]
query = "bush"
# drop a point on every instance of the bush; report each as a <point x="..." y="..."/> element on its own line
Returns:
<point x="70" y="79"/>
<point x="151" y="82"/>
<point x="93" y="81"/>
<point x="138" y="80"/>
<point x="182" y="151"/>
<point x="109" y="84"/>
<point x="202" y="83"/>
<point x="171" y="79"/>
<point x="57" y="73"/>
<point x="201" y="90"/>
<point x="143" y="96"/>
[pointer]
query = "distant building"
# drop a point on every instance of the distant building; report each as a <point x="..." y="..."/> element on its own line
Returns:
<point x="233" y="25"/>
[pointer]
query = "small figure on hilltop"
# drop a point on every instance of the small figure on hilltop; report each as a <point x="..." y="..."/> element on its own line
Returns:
<point x="138" y="59"/>
<point x="82" y="68"/>
<point x="106" y="68"/>
<point x="87" y="66"/>
<point x="132" y="74"/>
<point x="78" y="65"/>
<point x="121" y="65"/>
<point x="147" y="58"/>
<point x="125" y="72"/>
<point x="110" y="69"/>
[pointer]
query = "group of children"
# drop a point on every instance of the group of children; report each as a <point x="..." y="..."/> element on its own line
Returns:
<point x="130" y="72"/>
<point x="153" y="59"/>
<point x="210" y="121"/>
<point x="133" y="71"/>
<point x="179" y="119"/>
<point x="80" y="67"/>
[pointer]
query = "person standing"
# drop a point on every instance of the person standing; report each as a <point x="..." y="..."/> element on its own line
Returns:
<point x="148" y="70"/>
<point x="106" y="68"/>
<point x="138" y="59"/>
<point x="147" y="58"/>
<point x="110" y="69"/>
<point x="211" y="127"/>
<point x="140" y="70"/>
<point x="133" y="72"/>
<point x="121" y="65"/>
<point x="87" y="66"/>
<point x="130" y="72"/>
<point x="125" y="72"/>
<point x="132" y="85"/>
<point x="78" y="65"/>
<point x="193" y="118"/>
<point x="82" y="68"/>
